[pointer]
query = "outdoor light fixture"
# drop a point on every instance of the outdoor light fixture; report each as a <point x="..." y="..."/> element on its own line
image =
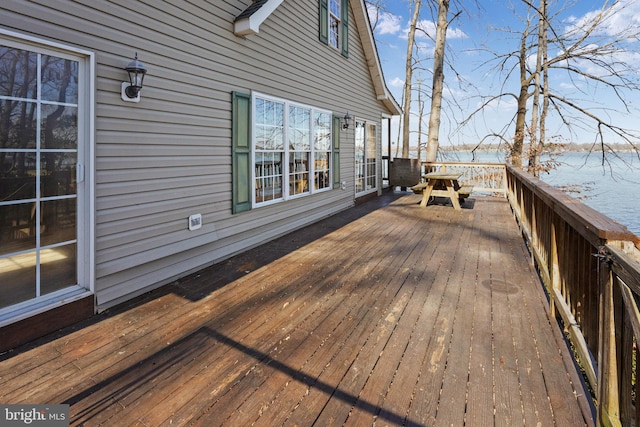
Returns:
<point x="130" y="91"/>
<point x="346" y="120"/>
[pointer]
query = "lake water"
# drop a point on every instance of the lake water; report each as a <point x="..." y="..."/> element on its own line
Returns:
<point x="612" y="188"/>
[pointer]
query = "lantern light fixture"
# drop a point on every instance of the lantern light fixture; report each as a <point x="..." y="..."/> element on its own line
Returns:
<point x="130" y="90"/>
<point x="345" y="121"/>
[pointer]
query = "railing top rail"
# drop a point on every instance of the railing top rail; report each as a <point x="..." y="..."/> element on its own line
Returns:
<point x="593" y="225"/>
<point x="496" y="164"/>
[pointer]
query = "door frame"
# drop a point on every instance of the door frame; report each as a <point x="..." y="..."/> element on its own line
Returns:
<point x="85" y="177"/>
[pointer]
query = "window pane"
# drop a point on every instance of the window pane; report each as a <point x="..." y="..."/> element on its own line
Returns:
<point x="17" y="176"/>
<point x="17" y="228"/>
<point x="17" y="278"/>
<point x="269" y="137"/>
<point x="58" y="223"/>
<point x="298" y="173"/>
<point x="59" y="80"/>
<point x="58" y="174"/>
<point x="299" y="128"/>
<point x="59" y="127"/>
<point x="268" y="172"/>
<point x="18" y="73"/>
<point x="321" y="170"/>
<point x="322" y="140"/>
<point x="269" y="125"/>
<point x="371" y="142"/>
<point x="334" y="32"/>
<point x="371" y="176"/>
<point x="18" y="124"/>
<point x="371" y="156"/>
<point x="334" y="7"/>
<point x="359" y="160"/>
<point x="261" y="138"/>
<point x="57" y="268"/>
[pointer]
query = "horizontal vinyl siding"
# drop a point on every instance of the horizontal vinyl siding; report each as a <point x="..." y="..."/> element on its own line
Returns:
<point x="169" y="156"/>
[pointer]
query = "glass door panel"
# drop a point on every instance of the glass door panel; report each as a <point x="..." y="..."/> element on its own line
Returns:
<point x="366" y="165"/>
<point x="38" y="157"/>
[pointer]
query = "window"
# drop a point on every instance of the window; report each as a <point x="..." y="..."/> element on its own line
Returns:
<point x="334" y="23"/>
<point x="300" y="149"/>
<point x="43" y="145"/>
<point x="281" y="150"/>
<point x="334" y="26"/>
<point x="322" y="151"/>
<point x="366" y="165"/>
<point x="268" y="149"/>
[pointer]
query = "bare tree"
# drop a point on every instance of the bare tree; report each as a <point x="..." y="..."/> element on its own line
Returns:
<point x="375" y="8"/>
<point x="420" y="116"/>
<point x="535" y="143"/>
<point x="406" y="118"/>
<point x="586" y="54"/>
<point x="438" y="80"/>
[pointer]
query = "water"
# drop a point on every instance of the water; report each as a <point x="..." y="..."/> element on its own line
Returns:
<point x="612" y="189"/>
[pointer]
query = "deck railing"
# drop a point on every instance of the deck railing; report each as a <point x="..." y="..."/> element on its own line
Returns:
<point x="485" y="177"/>
<point x="590" y="266"/>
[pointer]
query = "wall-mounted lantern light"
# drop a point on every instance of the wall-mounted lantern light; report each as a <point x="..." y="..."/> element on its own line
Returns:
<point x="130" y="91"/>
<point x="345" y="121"/>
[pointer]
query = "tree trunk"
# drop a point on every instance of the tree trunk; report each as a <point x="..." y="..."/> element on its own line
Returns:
<point x="407" y="81"/>
<point x="545" y="83"/>
<point x="523" y="96"/>
<point x="536" y="144"/>
<point x="438" y="81"/>
<point x="420" y="113"/>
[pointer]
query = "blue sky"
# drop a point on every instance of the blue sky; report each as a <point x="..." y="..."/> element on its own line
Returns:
<point x="494" y="27"/>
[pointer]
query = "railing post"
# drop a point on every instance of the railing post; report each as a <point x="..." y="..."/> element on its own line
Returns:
<point x="608" y="399"/>
<point x="554" y="269"/>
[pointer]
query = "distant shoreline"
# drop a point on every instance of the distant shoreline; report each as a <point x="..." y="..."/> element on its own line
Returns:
<point x="556" y="149"/>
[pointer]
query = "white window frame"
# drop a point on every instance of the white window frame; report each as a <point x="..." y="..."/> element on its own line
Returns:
<point x="85" y="172"/>
<point x="285" y="195"/>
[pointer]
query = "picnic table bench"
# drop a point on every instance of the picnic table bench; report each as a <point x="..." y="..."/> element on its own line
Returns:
<point x="443" y="185"/>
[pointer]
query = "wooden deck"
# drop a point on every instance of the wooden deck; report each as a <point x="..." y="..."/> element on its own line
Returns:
<point x="386" y="314"/>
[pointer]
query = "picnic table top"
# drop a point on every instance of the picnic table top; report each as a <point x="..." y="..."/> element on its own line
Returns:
<point x="442" y="175"/>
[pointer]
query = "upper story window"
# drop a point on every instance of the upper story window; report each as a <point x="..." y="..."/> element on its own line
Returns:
<point x="334" y="24"/>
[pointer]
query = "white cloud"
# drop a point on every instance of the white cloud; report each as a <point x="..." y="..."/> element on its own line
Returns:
<point x="505" y="105"/>
<point x="396" y="82"/>
<point x="427" y="29"/>
<point x="385" y="22"/>
<point x="621" y="19"/>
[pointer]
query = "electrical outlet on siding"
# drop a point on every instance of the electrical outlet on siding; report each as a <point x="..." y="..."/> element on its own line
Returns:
<point x="195" y="222"/>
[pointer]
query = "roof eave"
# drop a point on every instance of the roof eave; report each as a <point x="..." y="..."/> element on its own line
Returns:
<point x="373" y="61"/>
<point x="251" y="24"/>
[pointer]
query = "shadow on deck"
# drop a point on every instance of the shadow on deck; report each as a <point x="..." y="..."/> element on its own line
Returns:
<point x="386" y="313"/>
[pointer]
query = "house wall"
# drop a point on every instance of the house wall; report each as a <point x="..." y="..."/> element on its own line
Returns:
<point x="169" y="156"/>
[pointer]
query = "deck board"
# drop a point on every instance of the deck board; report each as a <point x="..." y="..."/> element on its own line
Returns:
<point x="387" y="313"/>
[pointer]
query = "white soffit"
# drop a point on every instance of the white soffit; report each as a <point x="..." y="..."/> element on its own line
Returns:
<point x="248" y="22"/>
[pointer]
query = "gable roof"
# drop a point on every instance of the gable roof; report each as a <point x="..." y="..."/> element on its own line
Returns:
<point x="248" y="22"/>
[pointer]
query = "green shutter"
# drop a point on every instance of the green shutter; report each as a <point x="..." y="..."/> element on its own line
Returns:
<point x="335" y="138"/>
<point x="241" y="152"/>
<point x="324" y="22"/>
<point x="345" y="28"/>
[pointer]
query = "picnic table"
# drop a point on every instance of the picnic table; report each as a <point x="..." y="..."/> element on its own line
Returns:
<point x="443" y="184"/>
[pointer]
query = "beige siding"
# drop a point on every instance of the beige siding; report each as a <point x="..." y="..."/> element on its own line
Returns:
<point x="169" y="156"/>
